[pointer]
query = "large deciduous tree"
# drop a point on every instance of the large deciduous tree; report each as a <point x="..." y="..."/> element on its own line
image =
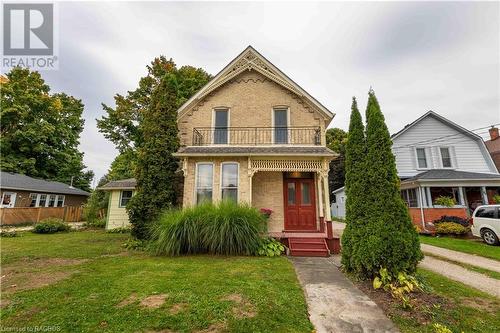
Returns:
<point x="336" y="140"/>
<point x="41" y="131"/>
<point x="156" y="169"/>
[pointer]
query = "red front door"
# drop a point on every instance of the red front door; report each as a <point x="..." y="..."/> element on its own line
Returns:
<point x="300" y="204"/>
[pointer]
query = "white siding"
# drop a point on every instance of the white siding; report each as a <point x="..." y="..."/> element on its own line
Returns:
<point x="466" y="152"/>
<point x="338" y="207"/>
<point x="117" y="216"/>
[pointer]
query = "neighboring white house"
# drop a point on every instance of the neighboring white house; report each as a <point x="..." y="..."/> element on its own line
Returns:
<point x="338" y="203"/>
<point x="436" y="157"/>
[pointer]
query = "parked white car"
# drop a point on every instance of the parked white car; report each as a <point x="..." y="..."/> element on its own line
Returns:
<point x="486" y="223"/>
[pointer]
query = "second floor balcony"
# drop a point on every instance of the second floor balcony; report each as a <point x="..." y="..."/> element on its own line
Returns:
<point x="252" y="136"/>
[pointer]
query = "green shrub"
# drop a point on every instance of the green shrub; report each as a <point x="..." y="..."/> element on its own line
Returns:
<point x="134" y="244"/>
<point x="270" y="247"/>
<point x="96" y="223"/>
<point x="451" y="228"/>
<point x="225" y="228"/>
<point x="8" y="234"/>
<point x="496" y="198"/>
<point x="454" y="219"/>
<point x="50" y="226"/>
<point x="120" y="230"/>
<point x="445" y="201"/>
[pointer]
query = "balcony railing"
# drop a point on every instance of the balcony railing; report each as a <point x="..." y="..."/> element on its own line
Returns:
<point x="244" y="136"/>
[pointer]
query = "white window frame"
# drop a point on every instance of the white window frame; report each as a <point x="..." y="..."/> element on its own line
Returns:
<point x="238" y="180"/>
<point x="121" y="196"/>
<point x="46" y="200"/>
<point x="427" y="161"/>
<point x="452" y="166"/>
<point x="288" y="122"/>
<point x="195" y="196"/>
<point x="57" y="200"/>
<point x="12" y="194"/>
<point x="37" y="196"/>
<point x="228" y="110"/>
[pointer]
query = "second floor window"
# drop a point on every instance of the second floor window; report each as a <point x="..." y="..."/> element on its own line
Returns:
<point x="281" y="126"/>
<point x="446" y="157"/>
<point x="221" y="123"/>
<point x="421" y="158"/>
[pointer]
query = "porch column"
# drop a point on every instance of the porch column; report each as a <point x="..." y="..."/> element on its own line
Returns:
<point x="484" y="195"/>
<point x="328" y="213"/>
<point x="421" y="196"/>
<point x="461" y="200"/>
<point x="250" y="181"/>
<point x="320" y="194"/>
<point x="429" y="196"/>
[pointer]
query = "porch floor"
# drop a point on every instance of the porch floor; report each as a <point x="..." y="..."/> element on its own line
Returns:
<point x="293" y="234"/>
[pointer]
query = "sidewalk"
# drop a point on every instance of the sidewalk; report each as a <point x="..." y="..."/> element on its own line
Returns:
<point x="460" y="274"/>
<point x="334" y="303"/>
<point x="465" y="258"/>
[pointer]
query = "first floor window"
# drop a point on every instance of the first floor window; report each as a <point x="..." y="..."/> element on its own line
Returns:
<point x="421" y="158"/>
<point x="60" y="200"/>
<point x="52" y="200"/>
<point x="229" y="185"/>
<point x="204" y="182"/>
<point x="33" y="198"/>
<point x="445" y="157"/>
<point x="43" y="200"/>
<point x="125" y="197"/>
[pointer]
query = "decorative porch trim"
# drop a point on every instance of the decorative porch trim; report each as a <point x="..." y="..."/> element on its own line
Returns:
<point x="286" y="165"/>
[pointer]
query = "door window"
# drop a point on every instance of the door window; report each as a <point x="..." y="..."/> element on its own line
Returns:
<point x="306" y="194"/>
<point x="291" y="193"/>
<point x="221" y="124"/>
<point x="281" y="126"/>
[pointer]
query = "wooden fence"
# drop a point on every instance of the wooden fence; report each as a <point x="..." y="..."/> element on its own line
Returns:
<point x="21" y="215"/>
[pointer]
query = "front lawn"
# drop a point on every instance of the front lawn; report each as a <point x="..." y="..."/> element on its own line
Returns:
<point x="471" y="246"/>
<point x="85" y="281"/>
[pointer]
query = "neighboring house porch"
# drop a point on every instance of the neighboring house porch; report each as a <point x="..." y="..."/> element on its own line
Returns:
<point x="468" y="189"/>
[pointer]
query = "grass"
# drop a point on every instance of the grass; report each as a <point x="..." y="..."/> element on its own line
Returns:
<point x="471" y="246"/>
<point x="237" y="294"/>
<point x="466" y="309"/>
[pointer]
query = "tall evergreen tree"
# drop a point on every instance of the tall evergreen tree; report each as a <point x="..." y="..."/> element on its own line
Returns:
<point x="388" y="236"/>
<point x="355" y="154"/>
<point x="156" y="169"/>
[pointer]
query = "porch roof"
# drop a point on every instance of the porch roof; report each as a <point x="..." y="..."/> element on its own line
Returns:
<point x="255" y="151"/>
<point x="445" y="174"/>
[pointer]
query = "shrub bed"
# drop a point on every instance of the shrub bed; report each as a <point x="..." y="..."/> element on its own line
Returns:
<point x="225" y="228"/>
<point x="50" y="226"/>
<point x="451" y="228"/>
<point x="454" y="219"/>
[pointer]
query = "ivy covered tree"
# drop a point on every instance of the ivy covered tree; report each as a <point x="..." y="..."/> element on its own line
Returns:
<point x="156" y="169"/>
<point x="41" y="131"/>
<point x="355" y="164"/>
<point x="390" y="240"/>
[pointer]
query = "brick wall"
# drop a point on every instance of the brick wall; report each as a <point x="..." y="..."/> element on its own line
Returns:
<point x="267" y="192"/>
<point x="250" y="98"/>
<point x="431" y="214"/>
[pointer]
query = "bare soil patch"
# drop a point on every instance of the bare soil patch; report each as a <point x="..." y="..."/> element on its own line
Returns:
<point x="30" y="273"/>
<point x="127" y="301"/>
<point x="177" y="308"/>
<point x="214" y="328"/>
<point x="154" y="301"/>
<point x="243" y="308"/>
<point x="484" y="304"/>
<point x="422" y="303"/>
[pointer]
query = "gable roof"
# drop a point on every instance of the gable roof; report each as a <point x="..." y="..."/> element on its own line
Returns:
<point x="441" y="119"/>
<point x="247" y="60"/>
<point x="122" y="184"/>
<point x="16" y="181"/>
<point x="455" y="126"/>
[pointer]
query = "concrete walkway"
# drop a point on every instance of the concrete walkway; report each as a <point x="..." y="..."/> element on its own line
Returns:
<point x="460" y="274"/>
<point x="334" y="303"/>
<point x="465" y="258"/>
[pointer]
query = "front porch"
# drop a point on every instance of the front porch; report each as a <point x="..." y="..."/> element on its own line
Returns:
<point x="469" y="192"/>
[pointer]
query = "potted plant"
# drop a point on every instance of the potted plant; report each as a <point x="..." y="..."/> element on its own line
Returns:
<point x="266" y="212"/>
<point x="445" y="201"/>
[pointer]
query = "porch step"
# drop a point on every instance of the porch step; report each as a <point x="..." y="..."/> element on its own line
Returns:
<point x="308" y="247"/>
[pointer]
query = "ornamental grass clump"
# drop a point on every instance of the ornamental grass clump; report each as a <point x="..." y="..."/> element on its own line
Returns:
<point x="224" y="229"/>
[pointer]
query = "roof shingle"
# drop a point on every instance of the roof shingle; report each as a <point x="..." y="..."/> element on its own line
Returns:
<point x="16" y="181"/>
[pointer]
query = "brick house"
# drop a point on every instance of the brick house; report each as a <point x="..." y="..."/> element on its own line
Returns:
<point x="493" y="145"/>
<point x="254" y="136"/>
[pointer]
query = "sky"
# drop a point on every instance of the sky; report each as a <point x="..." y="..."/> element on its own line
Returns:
<point x="440" y="56"/>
